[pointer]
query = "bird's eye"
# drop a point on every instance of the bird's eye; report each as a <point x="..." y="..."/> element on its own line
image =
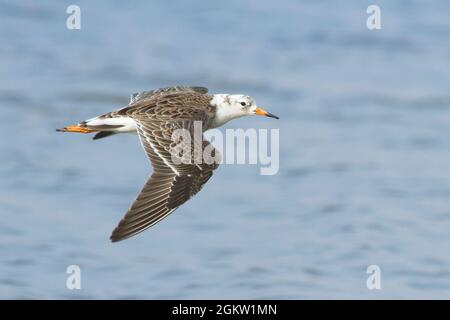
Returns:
<point x="243" y="104"/>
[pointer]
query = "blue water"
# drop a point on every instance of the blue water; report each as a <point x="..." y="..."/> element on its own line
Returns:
<point x="364" y="153"/>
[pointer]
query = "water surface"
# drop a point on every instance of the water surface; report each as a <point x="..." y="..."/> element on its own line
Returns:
<point x="364" y="153"/>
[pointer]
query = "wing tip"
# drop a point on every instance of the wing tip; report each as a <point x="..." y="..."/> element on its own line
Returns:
<point x="115" y="237"/>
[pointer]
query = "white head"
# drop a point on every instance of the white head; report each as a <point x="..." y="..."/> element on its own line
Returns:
<point x="231" y="106"/>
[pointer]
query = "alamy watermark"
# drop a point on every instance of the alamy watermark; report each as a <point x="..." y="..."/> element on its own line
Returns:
<point x="249" y="146"/>
<point x="73" y="21"/>
<point x="373" y="22"/>
<point x="73" y="281"/>
<point x="374" y="279"/>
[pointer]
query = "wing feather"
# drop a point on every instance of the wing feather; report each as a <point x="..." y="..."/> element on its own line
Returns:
<point x="170" y="185"/>
<point x="148" y="94"/>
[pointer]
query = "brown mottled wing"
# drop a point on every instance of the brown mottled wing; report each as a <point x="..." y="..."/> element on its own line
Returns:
<point x="170" y="185"/>
<point x="161" y="102"/>
<point x="148" y="94"/>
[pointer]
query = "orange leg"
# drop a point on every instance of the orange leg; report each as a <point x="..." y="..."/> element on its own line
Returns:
<point x="76" y="128"/>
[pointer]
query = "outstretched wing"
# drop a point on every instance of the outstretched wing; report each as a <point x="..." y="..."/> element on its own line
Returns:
<point x="141" y="102"/>
<point x="171" y="183"/>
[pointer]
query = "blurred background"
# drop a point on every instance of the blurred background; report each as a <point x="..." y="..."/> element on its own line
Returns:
<point x="364" y="161"/>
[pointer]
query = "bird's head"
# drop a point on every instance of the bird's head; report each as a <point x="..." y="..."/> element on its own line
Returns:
<point x="231" y="106"/>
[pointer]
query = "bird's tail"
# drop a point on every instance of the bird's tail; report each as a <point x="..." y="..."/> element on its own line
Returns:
<point x="80" y="128"/>
<point x="104" y="127"/>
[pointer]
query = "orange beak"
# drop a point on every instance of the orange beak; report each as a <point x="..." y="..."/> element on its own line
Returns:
<point x="261" y="112"/>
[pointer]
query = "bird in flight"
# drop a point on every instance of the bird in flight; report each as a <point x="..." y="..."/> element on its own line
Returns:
<point x="154" y="116"/>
